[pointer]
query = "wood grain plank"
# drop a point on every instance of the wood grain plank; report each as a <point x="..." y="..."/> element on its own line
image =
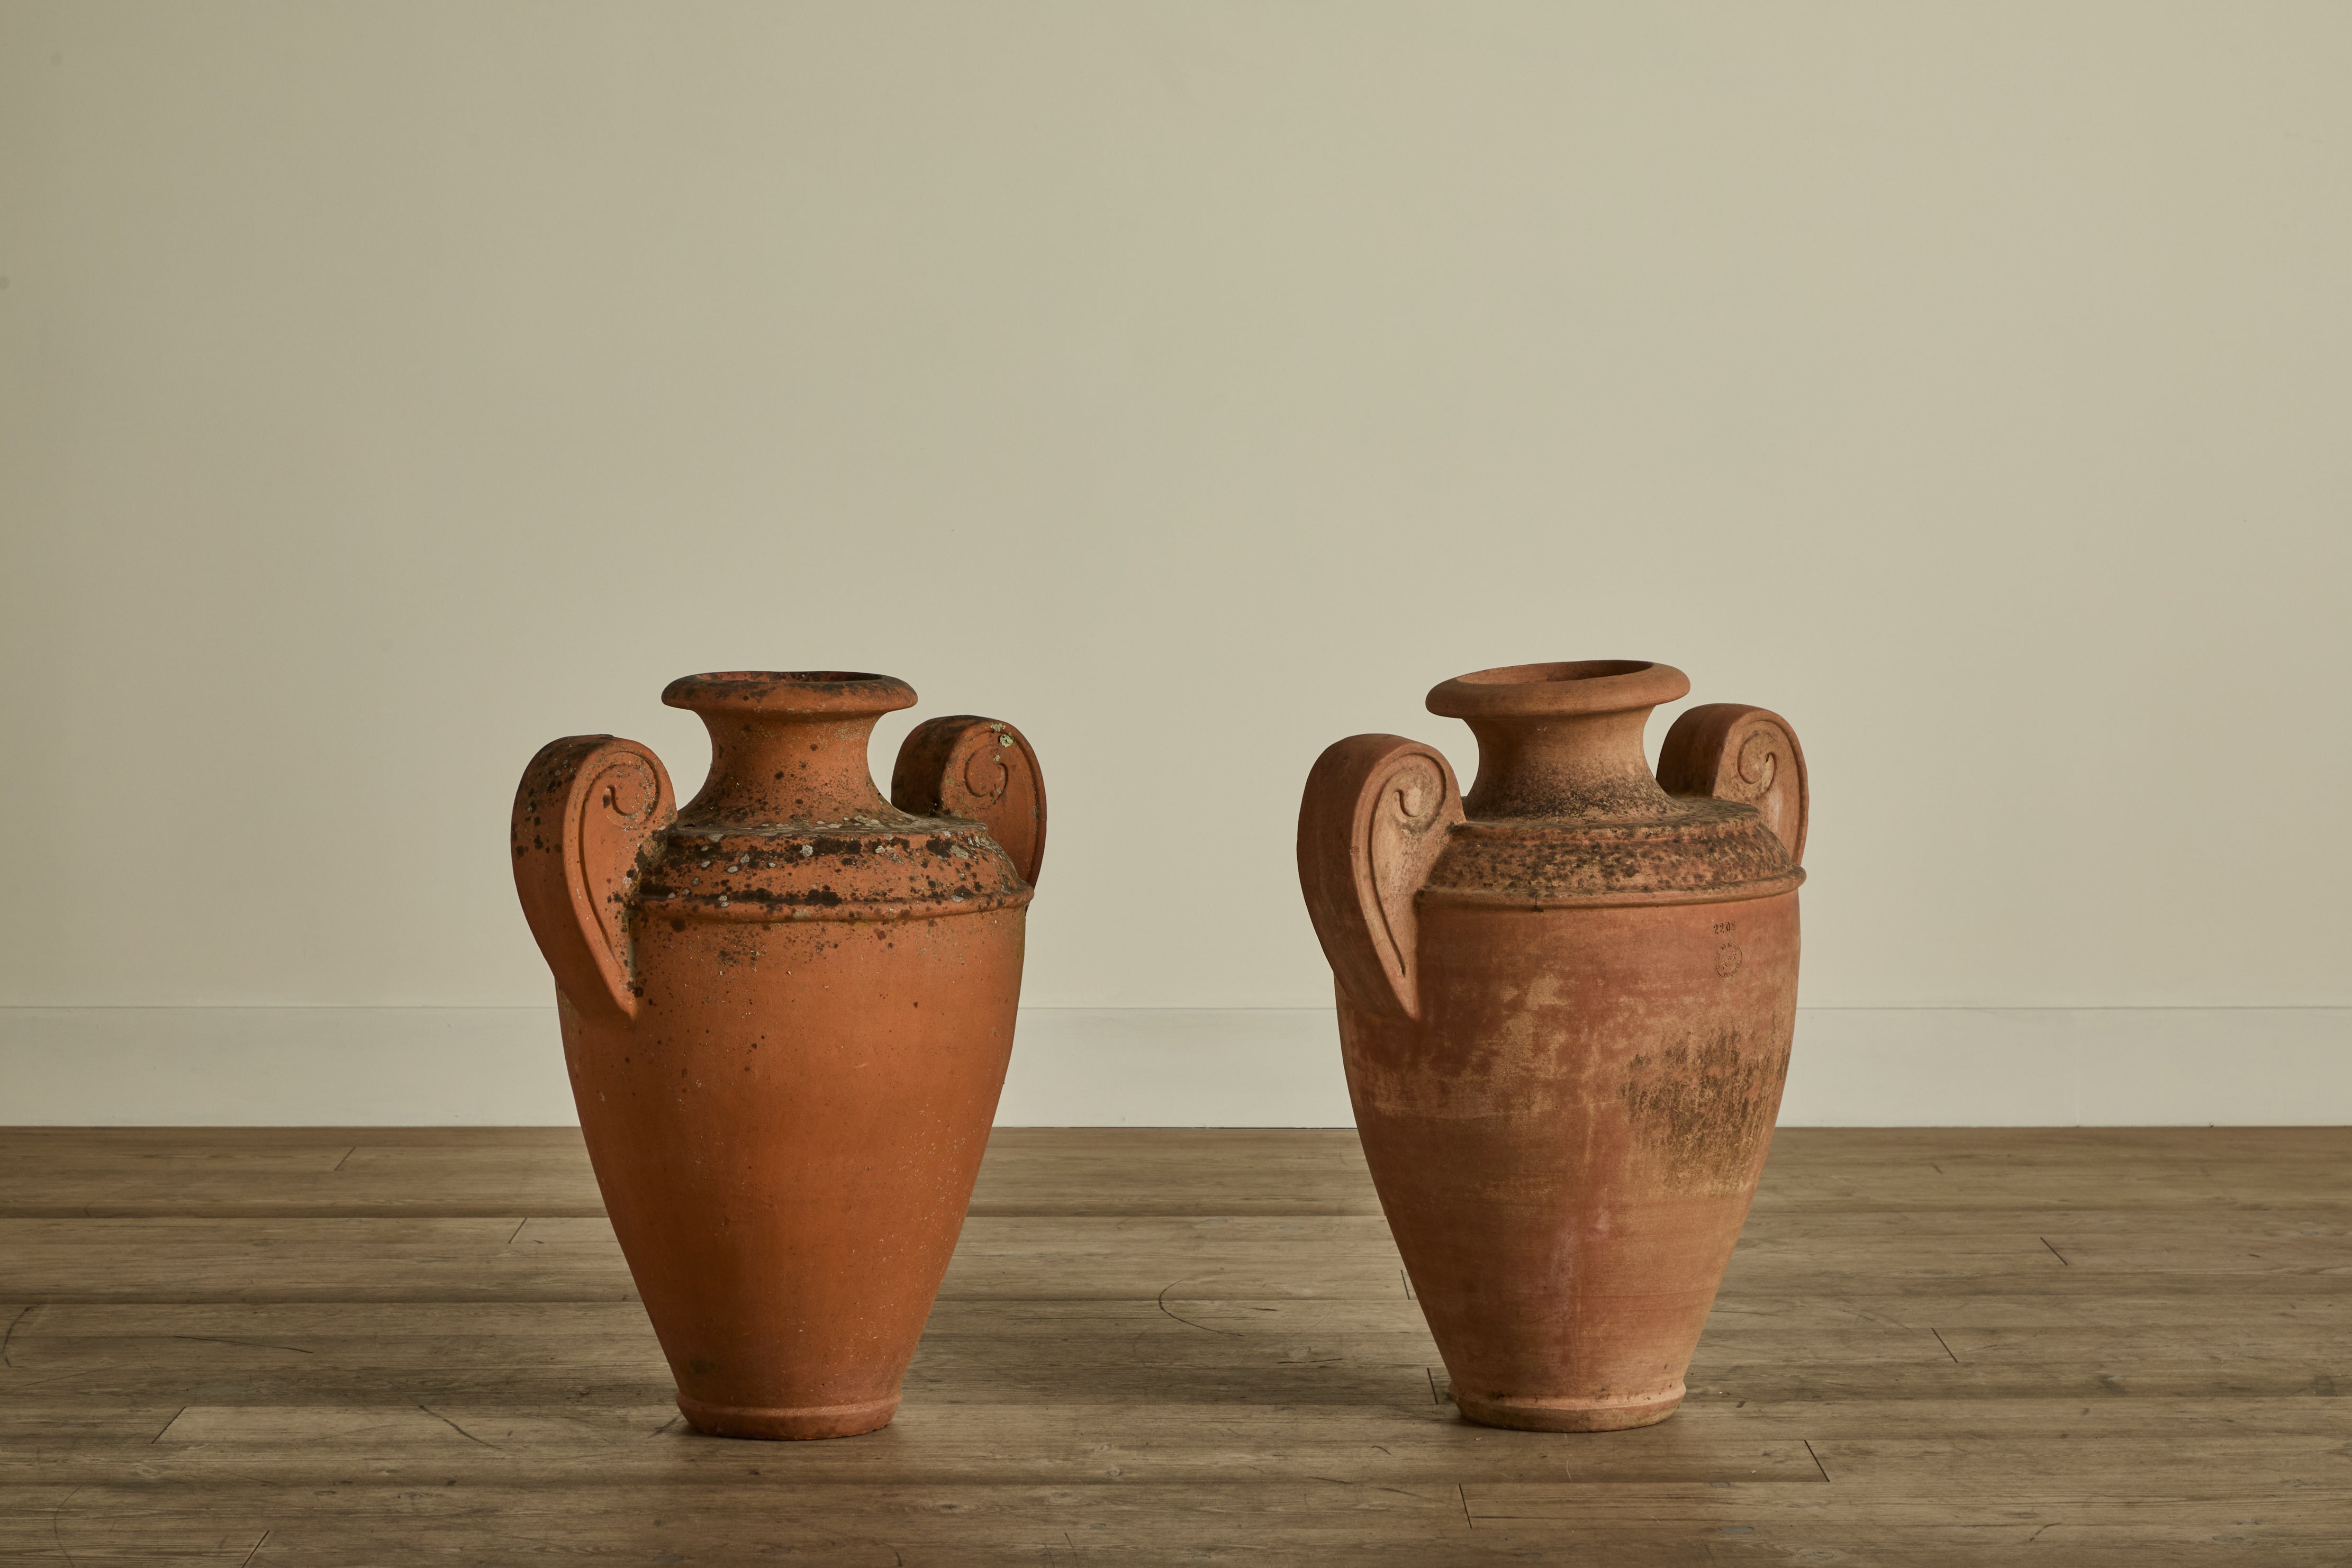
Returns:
<point x="1678" y="1523"/>
<point x="2105" y="1347"/>
<point x="529" y="1258"/>
<point x="457" y="1172"/>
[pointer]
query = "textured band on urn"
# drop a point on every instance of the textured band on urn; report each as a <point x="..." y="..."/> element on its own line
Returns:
<point x="586" y="808"/>
<point x="1729" y="751"/>
<point x="1373" y="821"/>
<point x="983" y="770"/>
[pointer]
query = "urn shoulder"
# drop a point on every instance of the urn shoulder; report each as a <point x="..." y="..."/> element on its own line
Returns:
<point x="1565" y="813"/>
<point x="788" y="827"/>
<point x="858" y="869"/>
<point x="1700" y="851"/>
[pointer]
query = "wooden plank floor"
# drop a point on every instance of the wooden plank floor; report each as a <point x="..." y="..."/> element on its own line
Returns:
<point x="1935" y="1347"/>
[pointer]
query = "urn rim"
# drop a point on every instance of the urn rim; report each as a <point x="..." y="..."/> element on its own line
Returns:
<point x="816" y="692"/>
<point x="1561" y="689"/>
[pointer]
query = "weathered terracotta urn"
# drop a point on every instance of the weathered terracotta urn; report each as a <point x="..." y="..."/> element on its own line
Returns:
<point x="1565" y="1005"/>
<point x="787" y="1010"/>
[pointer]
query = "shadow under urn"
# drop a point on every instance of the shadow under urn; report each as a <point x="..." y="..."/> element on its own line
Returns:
<point x="1565" y="1005"/>
<point x="787" y="1010"/>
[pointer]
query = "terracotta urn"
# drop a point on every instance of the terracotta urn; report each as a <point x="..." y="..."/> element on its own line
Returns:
<point x="787" y="1012"/>
<point x="1565" y="1005"/>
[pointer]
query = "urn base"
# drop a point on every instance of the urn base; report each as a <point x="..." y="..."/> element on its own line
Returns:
<point x="1572" y="1414"/>
<point x="789" y="1422"/>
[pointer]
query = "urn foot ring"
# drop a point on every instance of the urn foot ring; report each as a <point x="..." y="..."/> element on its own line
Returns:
<point x="1603" y="1414"/>
<point x="789" y="1422"/>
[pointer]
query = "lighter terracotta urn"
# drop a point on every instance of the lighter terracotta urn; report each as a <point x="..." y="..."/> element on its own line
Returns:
<point x="1565" y="1005"/>
<point x="787" y="1010"/>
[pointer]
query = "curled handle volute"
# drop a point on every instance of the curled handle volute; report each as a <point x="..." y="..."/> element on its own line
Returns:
<point x="585" y="810"/>
<point x="1374" y="819"/>
<point x="1729" y="751"/>
<point x="983" y="770"/>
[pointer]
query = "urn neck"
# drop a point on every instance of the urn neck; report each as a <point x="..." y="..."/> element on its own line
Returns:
<point x="788" y="746"/>
<point x="1562" y="740"/>
<point x="1564" y="767"/>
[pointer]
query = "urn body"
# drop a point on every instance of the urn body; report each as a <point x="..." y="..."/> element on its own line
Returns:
<point x="787" y="1012"/>
<point x="1565" y="1005"/>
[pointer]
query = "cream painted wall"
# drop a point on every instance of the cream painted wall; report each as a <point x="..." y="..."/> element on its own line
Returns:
<point x="387" y="389"/>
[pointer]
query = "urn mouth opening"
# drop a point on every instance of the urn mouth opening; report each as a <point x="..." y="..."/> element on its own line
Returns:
<point x="1558" y="690"/>
<point x="815" y="692"/>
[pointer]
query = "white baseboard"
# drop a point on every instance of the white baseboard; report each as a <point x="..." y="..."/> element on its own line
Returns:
<point x="1273" y="1067"/>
